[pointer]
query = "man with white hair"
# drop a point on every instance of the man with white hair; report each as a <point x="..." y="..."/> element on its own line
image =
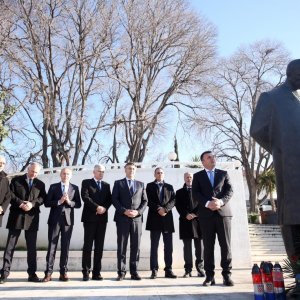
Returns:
<point x="27" y="195"/>
<point x="4" y="189"/>
<point x="62" y="197"/>
<point x="96" y="195"/>
<point x="189" y="227"/>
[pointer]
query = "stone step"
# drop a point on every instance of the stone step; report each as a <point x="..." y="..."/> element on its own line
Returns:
<point x="109" y="260"/>
<point x="264" y="232"/>
<point x="279" y="249"/>
<point x="266" y="243"/>
<point x="265" y="252"/>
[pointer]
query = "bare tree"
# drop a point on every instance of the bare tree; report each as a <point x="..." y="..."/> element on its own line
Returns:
<point x="163" y="50"/>
<point x="56" y="49"/>
<point x="232" y="96"/>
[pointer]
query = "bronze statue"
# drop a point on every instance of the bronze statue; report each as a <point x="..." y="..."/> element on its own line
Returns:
<point x="276" y="127"/>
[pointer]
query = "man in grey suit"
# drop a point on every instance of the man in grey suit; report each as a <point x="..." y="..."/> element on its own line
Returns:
<point x="276" y="127"/>
<point x="130" y="200"/>
<point x="62" y="197"/>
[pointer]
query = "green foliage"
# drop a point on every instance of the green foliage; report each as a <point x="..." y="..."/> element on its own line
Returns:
<point x="267" y="182"/>
<point x="291" y="268"/>
<point x="253" y="218"/>
<point x="6" y="112"/>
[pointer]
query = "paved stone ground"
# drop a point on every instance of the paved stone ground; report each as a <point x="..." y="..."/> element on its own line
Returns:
<point x="17" y="287"/>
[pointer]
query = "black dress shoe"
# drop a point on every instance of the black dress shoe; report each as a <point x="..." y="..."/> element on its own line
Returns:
<point x="228" y="281"/>
<point x="120" y="277"/>
<point x="33" y="278"/>
<point x="3" y="279"/>
<point x="201" y="273"/>
<point x="209" y="281"/>
<point x="187" y="274"/>
<point x="86" y="277"/>
<point x="97" y="277"/>
<point x="136" y="276"/>
<point x="153" y="274"/>
<point x="170" y="274"/>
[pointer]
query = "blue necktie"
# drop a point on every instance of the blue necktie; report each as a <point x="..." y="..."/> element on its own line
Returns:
<point x="30" y="183"/>
<point x="211" y="177"/>
<point x="161" y="193"/>
<point x="131" y="189"/>
<point x="98" y="185"/>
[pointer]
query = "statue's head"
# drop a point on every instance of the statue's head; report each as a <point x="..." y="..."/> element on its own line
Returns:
<point x="293" y="74"/>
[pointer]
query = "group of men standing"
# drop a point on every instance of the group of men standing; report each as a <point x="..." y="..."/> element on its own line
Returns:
<point x="202" y="203"/>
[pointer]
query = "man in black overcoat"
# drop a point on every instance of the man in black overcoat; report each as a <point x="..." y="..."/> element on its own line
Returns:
<point x="4" y="189"/>
<point x="189" y="227"/>
<point x="27" y="195"/>
<point x="161" y="200"/>
<point x="96" y="195"/>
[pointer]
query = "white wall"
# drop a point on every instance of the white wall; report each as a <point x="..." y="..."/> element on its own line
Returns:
<point x="174" y="176"/>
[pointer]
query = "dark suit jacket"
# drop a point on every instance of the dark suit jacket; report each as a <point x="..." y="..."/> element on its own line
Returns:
<point x="19" y="219"/>
<point x="122" y="200"/>
<point x="203" y="191"/>
<point x="154" y="220"/>
<point x="4" y="193"/>
<point x="54" y="195"/>
<point x="188" y="229"/>
<point x="92" y="198"/>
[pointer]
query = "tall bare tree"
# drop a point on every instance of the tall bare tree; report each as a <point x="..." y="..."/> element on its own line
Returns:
<point x="164" y="50"/>
<point x="56" y="49"/>
<point x="231" y="99"/>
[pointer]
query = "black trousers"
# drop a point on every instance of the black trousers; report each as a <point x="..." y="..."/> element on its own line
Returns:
<point x="12" y="240"/>
<point x="94" y="233"/>
<point x="188" y="255"/>
<point x="291" y="238"/>
<point x="54" y="231"/>
<point x="125" y="230"/>
<point x="210" y="228"/>
<point x="168" y="249"/>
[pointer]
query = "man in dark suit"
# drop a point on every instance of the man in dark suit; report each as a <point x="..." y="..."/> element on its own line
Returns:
<point x="161" y="200"/>
<point x="96" y="195"/>
<point x="27" y="194"/>
<point x="62" y="197"/>
<point x="212" y="189"/>
<point x="4" y="189"/>
<point x="189" y="227"/>
<point x="130" y="200"/>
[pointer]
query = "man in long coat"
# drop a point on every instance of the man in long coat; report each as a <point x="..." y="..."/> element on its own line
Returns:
<point x="4" y="189"/>
<point x="276" y="127"/>
<point x="189" y="227"/>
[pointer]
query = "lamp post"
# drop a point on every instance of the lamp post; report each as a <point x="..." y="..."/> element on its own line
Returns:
<point x="172" y="157"/>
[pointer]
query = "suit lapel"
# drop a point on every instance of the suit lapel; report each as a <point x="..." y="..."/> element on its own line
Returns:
<point x="205" y="177"/>
<point x="217" y="177"/>
<point x="71" y="192"/>
<point x="25" y="184"/>
<point x="125" y="185"/>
